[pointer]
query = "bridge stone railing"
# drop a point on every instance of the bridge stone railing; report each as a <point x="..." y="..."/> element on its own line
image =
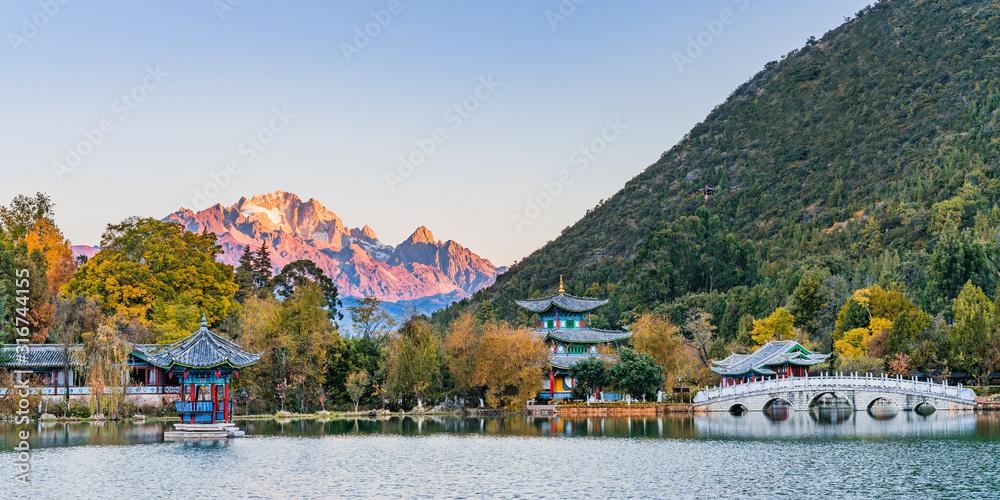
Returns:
<point x="849" y="381"/>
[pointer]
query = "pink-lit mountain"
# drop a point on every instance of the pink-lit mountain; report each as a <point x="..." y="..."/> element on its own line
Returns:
<point x="420" y="267"/>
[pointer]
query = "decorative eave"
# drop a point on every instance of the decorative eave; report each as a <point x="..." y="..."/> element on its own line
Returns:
<point x="586" y="335"/>
<point x="564" y="301"/>
<point x="565" y="362"/>
<point x="203" y="349"/>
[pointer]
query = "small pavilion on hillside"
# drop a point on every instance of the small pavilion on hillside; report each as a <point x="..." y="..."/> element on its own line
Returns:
<point x="564" y="322"/>
<point x="772" y="360"/>
<point x="204" y="363"/>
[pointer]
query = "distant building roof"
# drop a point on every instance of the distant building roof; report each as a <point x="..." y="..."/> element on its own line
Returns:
<point x="770" y="354"/>
<point x="563" y="301"/>
<point x="202" y="349"/>
<point x="38" y="356"/>
<point x="585" y="335"/>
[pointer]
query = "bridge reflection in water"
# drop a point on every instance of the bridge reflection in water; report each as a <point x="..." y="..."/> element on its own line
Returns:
<point x="781" y="421"/>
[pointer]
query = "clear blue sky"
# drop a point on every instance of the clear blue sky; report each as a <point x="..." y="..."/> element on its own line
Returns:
<point x="199" y="79"/>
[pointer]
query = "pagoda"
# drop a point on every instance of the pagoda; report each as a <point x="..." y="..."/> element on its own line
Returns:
<point x="204" y="363"/>
<point x="771" y="361"/>
<point x="563" y="321"/>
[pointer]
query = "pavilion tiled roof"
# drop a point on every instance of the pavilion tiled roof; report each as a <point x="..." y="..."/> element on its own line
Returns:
<point x="39" y="356"/>
<point x="770" y="354"/>
<point x="202" y="349"/>
<point x="586" y="335"/>
<point x="567" y="361"/>
<point x="565" y="301"/>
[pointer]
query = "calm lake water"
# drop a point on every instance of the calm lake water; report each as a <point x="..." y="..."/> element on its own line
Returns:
<point x="788" y="455"/>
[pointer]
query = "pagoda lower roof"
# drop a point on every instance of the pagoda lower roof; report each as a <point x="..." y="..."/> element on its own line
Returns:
<point x="566" y="361"/>
<point x="584" y="335"/>
<point x="788" y="352"/>
<point x="564" y="301"/>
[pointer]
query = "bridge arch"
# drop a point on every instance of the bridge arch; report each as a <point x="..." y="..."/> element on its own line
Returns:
<point x="882" y="400"/>
<point x="925" y="408"/>
<point x="778" y="400"/>
<point x="826" y="397"/>
<point x="738" y="409"/>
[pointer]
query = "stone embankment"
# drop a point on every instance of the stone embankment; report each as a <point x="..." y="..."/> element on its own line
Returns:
<point x="621" y="410"/>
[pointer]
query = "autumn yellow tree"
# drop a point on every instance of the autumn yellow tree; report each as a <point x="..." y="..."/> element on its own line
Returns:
<point x="778" y="326"/>
<point x="506" y="362"/>
<point x="461" y="346"/>
<point x="659" y="338"/>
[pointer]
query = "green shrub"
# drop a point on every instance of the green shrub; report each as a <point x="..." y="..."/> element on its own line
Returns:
<point x="79" y="410"/>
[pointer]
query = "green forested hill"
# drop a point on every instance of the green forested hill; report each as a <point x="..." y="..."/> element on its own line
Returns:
<point x="868" y="156"/>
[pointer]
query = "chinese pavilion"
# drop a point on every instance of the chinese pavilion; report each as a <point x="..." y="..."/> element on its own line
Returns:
<point x="772" y="360"/>
<point x="204" y="364"/>
<point x="564" y="322"/>
<point x="194" y="373"/>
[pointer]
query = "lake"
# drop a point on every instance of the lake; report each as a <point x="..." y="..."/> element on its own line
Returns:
<point x="826" y="454"/>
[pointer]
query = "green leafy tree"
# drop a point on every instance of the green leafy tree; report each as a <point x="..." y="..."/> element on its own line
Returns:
<point x="146" y="266"/>
<point x="636" y="373"/>
<point x="972" y="337"/>
<point x="413" y="361"/>
<point x="357" y="384"/>
<point x="298" y="273"/>
<point x="589" y="375"/>
<point x="370" y="321"/>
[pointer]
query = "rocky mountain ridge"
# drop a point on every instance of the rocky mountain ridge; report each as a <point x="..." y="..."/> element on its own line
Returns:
<point x="358" y="262"/>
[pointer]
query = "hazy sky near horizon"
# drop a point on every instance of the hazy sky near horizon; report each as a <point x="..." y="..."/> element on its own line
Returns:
<point x="123" y="108"/>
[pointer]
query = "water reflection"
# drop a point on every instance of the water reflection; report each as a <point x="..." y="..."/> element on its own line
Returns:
<point x="778" y="421"/>
<point x="830" y="415"/>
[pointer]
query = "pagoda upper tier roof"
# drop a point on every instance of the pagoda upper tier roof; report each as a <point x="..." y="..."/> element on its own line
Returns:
<point x="771" y="354"/>
<point x="584" y="335"/>
<point x="563" y="301"/>
<point x="201" y="349"/>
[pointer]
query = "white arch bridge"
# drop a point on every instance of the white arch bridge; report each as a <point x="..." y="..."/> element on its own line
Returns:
<point x="861" y="392"/>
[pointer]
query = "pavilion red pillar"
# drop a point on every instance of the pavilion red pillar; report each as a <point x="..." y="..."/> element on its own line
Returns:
<point x="193" y="400"/>
<point x="215" y="404"/>
<point x="225" y="402"/>
<point x="552" y="384"/>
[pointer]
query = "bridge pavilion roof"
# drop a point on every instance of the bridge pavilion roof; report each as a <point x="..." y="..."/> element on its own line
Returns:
<point x="771" y="354"/>
<point x="202" y="349"/>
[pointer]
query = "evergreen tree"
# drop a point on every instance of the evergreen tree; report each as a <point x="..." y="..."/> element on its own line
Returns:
<point x="244" y="276"/>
